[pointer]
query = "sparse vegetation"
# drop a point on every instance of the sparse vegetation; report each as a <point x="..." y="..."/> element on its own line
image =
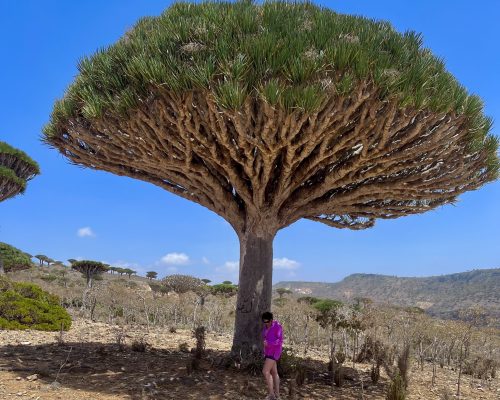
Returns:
<point x="328" y="329"/>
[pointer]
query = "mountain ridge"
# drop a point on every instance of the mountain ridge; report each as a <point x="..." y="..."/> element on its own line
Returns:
<point x="439" y="295"/>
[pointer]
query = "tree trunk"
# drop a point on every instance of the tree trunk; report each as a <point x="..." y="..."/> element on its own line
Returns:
<point x="433" y="382"/>
<point x="306" y="335"/>
<point x="194" y="313"/>
<point x="254" y="292"/>
<point x="2" y="271"/>
<point x="421" y="354"/>
<point x="460" y="370"/>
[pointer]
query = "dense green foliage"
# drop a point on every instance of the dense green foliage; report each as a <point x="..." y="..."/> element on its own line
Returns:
<point x="21" y="155"/>
<point x="13" y="259"/>
<point x="293" y="55"/>
<point x="16" y="168"/>
<point x="27" y="306"/>
<point x="90" y="269"/>
<point x="8" y="175"/>
<point x="129" y="272"/>
<point x="151" y="274"/>
<point x="326" y="305"/>
<point x="226" y="289"/>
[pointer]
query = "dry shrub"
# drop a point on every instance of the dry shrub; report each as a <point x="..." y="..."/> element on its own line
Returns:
<point x="375" y="351"/>
<point x="292" y="366"/>
<point x="192" y="365"/>
<point x="399" y="375"/>
<point x="396" y="389"/>
<point x="368" y="350"/>
<point x="183" y="347"/>
<point x="252" y="364"/>
<point x="404" y="365"/>
<point x="481" y="368"/>
<point x="140" y="345"/>
<point x="338" y="376"/>
<point x="120" y="338"/>
<point x="199" y="335"/>
<point x="447" y="395"/>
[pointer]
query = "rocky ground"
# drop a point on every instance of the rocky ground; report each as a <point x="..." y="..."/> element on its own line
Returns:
<point x="103" y="362"/>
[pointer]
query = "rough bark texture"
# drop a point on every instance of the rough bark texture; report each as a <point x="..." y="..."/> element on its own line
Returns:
<point x="356" y="159"/>
<point x="254" y="292"/>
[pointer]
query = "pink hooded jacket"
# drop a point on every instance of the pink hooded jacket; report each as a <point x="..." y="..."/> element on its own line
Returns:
<point x="274" y="340"/>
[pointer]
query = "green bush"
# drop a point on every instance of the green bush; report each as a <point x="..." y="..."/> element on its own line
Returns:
<point x="13" y="259"/>
<point x="27" y="306"/>
<point x="48" y="278"/>
<point x="224" y="289"/>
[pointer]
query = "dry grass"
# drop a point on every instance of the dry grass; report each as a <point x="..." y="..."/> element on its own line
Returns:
<point x="90" y="364"/>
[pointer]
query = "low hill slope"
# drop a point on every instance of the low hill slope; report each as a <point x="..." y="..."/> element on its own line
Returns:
<point x="441" y="296"/>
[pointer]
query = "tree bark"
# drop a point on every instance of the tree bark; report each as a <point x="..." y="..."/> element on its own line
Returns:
<point x="254" y="292"/>
<point x="460" y="370"/>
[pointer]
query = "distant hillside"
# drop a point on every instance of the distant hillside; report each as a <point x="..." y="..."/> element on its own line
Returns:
<point x="441" y="296"/>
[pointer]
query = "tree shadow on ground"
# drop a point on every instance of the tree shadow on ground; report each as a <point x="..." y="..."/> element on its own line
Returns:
<point x="160" y="373"/>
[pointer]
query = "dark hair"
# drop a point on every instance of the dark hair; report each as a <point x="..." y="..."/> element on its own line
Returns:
<point x="267" y="316"/>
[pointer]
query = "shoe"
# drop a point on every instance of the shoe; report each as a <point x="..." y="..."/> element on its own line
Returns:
<point x="271" y="397"/>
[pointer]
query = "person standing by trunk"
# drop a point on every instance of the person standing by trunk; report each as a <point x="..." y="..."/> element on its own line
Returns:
<point x="272" y="336"/>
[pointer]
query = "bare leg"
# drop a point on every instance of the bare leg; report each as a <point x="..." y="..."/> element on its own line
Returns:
<point x="268" y="366"/>
<point x="276" y="379"/>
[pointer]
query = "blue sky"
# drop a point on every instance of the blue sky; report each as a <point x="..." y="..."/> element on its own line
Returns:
<point x="71" y="212"/>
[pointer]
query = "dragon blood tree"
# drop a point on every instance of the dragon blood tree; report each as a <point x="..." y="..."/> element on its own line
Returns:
<point x="266" y="114"/>
<point x="12" y="259"/>
<point x="16" y="168"/>
<point x="89" y="269"/>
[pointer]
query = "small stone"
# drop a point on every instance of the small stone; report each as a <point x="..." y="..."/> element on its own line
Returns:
<point x="55" y="385"/>
<point x="33" y="377"/>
